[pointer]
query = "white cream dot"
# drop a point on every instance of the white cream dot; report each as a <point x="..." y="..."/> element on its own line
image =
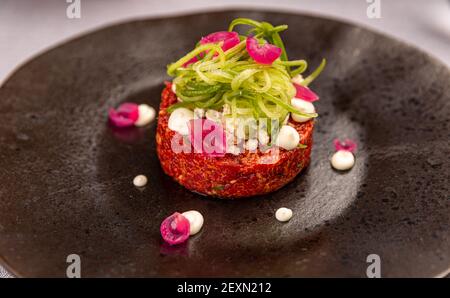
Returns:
<point x="140" y="181"/>
<point x="146" y="115"/>
<point x="343" y="160"/>
<point x="288" y="138"/>
<point x="195" y="219"/>
<point x="302" y="106"/>
<point x="283" y="214"/>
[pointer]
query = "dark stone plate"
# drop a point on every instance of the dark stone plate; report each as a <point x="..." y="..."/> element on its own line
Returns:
<point x="67" y="176"/>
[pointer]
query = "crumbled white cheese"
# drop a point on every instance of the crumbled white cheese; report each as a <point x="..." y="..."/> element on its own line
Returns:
<point x="199" y="113"/>
<point x="214" y="116"/>
<point x="251" y="144"/>
<point x="263" y="137"/>
<point x="179" y="119"/>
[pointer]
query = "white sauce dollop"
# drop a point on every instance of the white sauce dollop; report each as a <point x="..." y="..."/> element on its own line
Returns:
<point x="343" y="160"/>
<point x="288" y="138"/>
<point x="195" y="221"/>
<point x="179" y="119"/>
<point x="146" y="115"/>
<point x="283" y="214"/>
<point x="140" y="181"/>
<point x="302" y="106"/>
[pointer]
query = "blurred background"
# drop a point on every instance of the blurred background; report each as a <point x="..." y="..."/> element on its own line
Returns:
<point x="29" y="27"/>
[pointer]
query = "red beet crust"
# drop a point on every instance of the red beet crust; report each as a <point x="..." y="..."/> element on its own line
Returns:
<point x="230" y="176"/>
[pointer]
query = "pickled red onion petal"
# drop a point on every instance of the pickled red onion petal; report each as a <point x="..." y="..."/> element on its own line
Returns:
<point x="230" y="39"/>
<point x="207" y="137"/>
<point x="193" y="60"/>
<point x="347" y="145"/>
<point x="263" y="54"/>
<point x="125" y="115"/>
<point x="175" y="229"/>
<point x="305" y="93"/>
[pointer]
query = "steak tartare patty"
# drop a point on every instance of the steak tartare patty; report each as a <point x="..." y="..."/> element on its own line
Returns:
<point x="230" y="176"/>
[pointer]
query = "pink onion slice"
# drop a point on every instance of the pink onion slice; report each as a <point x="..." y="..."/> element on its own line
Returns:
<point x="347" y="145"/>
<point x="125" y="115"/>
<point x="207" y="137"/>
<point x="229" y="39"/>
<point x="263" y="54"/>
<point x="305" y="93"/>
<point x="193" y="60"/>
<point x="175" y="229"/>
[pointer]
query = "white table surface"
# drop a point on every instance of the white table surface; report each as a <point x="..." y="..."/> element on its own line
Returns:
<point x="29" y="27"/>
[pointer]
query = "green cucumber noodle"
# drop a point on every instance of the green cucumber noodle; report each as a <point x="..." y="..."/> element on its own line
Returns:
<point x="234" y="78"/>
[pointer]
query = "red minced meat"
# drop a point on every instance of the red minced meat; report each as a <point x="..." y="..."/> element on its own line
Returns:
<point x="230" y="176"/>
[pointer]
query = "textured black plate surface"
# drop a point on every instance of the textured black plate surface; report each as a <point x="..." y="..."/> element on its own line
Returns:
<point x="67" y="176"/>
